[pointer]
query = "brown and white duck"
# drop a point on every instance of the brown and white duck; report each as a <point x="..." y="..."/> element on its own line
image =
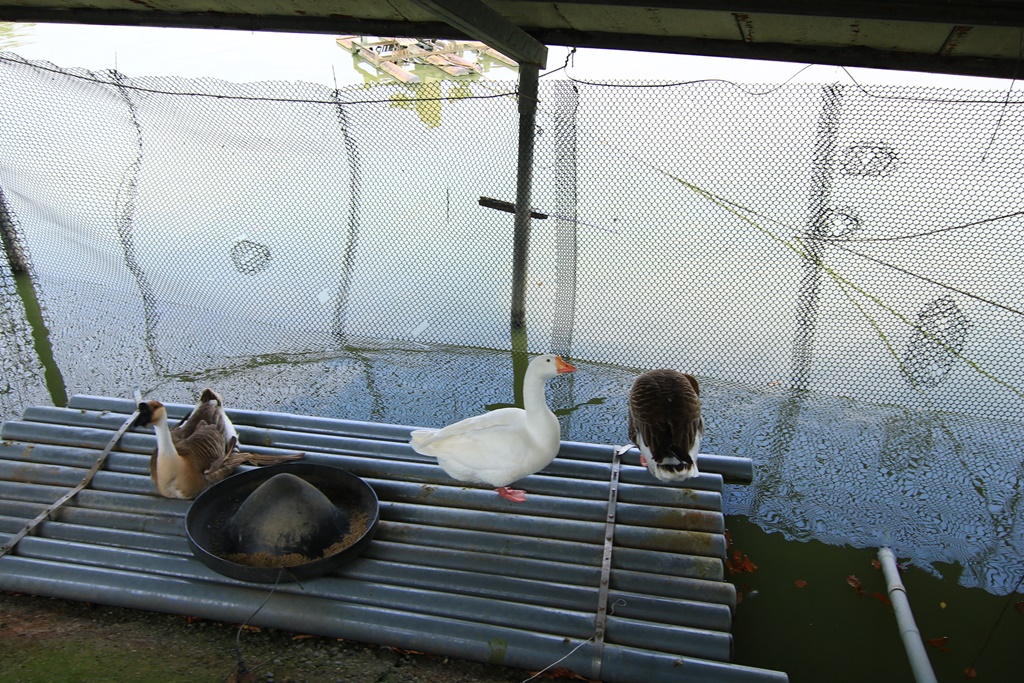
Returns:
<point x="198" y="452"/>
<point x="665" y="423"/>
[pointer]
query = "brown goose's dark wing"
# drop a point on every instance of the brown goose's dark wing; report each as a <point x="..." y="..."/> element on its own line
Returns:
<point x="204" y="413"/>
<point x="203" y="447"/>
<point x="664" y="412"/>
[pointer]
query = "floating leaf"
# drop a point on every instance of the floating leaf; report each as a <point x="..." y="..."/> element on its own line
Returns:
<point x="939" y="643"/>
<point x="969" y="672"/>
<point x="942" y="605"/>
<point x="854" y="583"/>
<point x="562" y="672"/>
<point x="876" y="564"/>
<point x="304" y="636"/>
<point x="800" y="583"/>
<point x="882" y="598"/>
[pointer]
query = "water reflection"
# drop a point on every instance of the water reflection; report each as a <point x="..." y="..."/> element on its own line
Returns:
<point x="938" y="488"/>
<point x="141" y="283"/>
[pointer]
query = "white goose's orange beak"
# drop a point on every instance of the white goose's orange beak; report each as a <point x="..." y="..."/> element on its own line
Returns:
<point x="562" y="367"/>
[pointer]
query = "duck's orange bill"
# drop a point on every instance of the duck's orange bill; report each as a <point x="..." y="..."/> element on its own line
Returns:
<point x="562" y="366"/>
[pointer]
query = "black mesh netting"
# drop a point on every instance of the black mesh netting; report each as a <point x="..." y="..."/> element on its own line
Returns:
<point x="840" y="266"/>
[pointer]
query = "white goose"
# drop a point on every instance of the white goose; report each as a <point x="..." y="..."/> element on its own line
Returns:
<point x="504" y="445"/>
<point x="665" y="423"/>
<point x="201" y="451"/>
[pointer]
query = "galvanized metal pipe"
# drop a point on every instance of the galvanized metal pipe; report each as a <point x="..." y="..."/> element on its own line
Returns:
<point x="306" y="614"/>
<point x="587" y="499"/>
<point x="117" y="538"/>
<point x="735" y="469"/>
<point x="488" y="607"/>
<point x="584" y="538"/>
<point x="918" y="656"/>
<point x="472" y="572"/>
<point x="426" y="536"/>
<point x="66" y="427"/>
<point x="416" y="521"/>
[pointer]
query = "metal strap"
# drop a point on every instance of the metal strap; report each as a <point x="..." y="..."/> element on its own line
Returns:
<point x="601" y="620"/>
<point x="9" y="545"/>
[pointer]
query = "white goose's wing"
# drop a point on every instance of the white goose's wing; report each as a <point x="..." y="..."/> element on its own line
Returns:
<point x="487" y="426"/>
<point x="484" y="448"/>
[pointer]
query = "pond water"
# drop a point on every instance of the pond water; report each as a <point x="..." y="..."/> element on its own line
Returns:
<point x="942" y="490"/>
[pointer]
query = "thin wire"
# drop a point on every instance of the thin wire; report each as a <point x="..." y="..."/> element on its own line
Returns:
<point x="929" y="280"/>
<point x="1009" y="91"/>
<point x="908" y="98"/>
<point x="564" y="66"/>
<point x="1005" y="102"/>
<point x="675" y="84"/>
<point x="245" y="98"/>
<point x="240" y="667"/>
<point x="618" y="603"/>
<point x="832" y="240"/>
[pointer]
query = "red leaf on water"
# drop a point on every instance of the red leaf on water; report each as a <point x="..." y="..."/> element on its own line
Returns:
<point x="748" y="566"/>
<point x="969" y="672"/>
<point x="737" y="558"/>
<point x="876" y="564"/>
<point x="939" y="643"/>
<point x="882" y="598"/>
<point x="854" y="583"/>
<point x="800" y="583"/>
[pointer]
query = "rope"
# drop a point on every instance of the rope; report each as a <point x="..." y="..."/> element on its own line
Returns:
<point x="42" y="516"/>
<point x="601" y="621"/>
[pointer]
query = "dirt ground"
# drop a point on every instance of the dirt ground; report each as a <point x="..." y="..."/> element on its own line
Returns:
<point x="44" y="640"/>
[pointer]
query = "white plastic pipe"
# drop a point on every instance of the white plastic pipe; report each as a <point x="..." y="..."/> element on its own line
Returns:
<point x="919" y="662"/>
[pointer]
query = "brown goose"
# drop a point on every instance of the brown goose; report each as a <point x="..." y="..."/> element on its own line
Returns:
<point x="201" y="451"/>
<point x="665" y="423"/>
